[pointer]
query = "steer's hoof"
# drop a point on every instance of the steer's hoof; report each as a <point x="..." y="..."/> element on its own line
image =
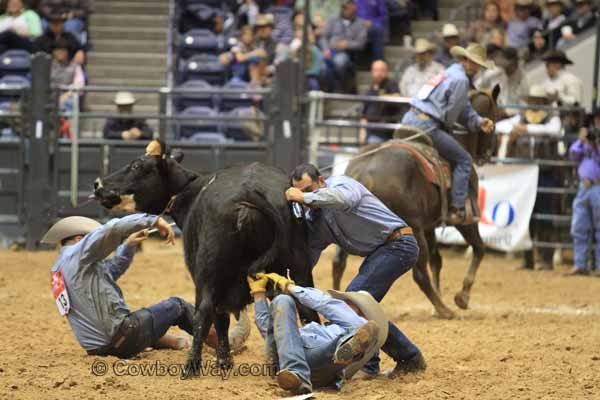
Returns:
<point x="225" y="363"/>
<point x="190" y="369"/>
<point x="444" y="313"/>
<point x="462" y="300"/>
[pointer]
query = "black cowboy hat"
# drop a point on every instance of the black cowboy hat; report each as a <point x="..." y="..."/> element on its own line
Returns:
<point x="557" y="56"/>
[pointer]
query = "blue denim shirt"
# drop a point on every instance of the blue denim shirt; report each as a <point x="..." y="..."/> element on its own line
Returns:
<point x="348" y="215"/>
<point x="342" y="319"/>
<point x="97" y="304"/>
<point x="449" y="100"/>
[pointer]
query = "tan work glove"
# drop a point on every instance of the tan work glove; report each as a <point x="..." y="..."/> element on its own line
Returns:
<point x="258" y="285"/>
<point x="280" y="282"/>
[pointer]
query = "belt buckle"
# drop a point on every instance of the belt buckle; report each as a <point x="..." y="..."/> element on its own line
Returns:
<point x="423" y="116"/>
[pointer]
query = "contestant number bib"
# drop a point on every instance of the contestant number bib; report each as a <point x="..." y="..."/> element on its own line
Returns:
<point x="59" y="291"/>
<point x="429" y="86"/>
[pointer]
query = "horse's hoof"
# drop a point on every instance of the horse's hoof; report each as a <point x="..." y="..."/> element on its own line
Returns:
<point x="190" y="369"/>
<point x="462" y="300"/>
<point x="444" y="314"/>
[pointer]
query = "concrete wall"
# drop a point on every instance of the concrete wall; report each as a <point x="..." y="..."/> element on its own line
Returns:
<point x="582" y="54"/>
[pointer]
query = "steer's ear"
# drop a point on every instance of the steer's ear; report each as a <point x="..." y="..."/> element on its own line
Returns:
<point x="154" y="148"/>
<point x="177" y="155"/>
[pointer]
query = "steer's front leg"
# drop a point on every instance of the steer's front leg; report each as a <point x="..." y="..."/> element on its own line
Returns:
<point x="224" y="358"/>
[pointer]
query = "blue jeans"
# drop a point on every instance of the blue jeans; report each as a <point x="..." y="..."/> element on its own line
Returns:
<point x="585" y="225"/>
<point x="376" y="37"/>
<point x="376" y="275"/>
<point x="460" y="160"/>
<point x="339" y="70"/>
<point x="313" y="365"/>
<point x="171" y="312"/>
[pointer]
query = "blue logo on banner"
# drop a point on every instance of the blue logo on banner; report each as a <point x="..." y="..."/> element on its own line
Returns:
<point x="503" y="214"/>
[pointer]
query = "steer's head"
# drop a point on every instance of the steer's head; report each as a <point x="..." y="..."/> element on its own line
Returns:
<point x="146" y="184"/>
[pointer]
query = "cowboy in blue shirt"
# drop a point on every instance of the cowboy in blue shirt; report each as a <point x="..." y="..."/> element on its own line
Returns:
<point x="343" y="212"/>
<point x="440" y="103"/>
<point x="84" y="284"/>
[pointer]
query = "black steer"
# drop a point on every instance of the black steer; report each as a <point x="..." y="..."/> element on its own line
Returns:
<point x="235" y="222"/>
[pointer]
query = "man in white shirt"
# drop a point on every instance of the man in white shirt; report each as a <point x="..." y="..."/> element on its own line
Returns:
<point x="416" y="75"/>
<point x="563" y="85"/>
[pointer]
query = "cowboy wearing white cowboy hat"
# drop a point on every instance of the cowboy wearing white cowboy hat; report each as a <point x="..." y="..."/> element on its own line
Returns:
<point x="126" y="127"/>
<point x="84" y="286"/>
<point x="317" y="355"/>
<point x="441" y="102"/>
<point x="417" y="74"/>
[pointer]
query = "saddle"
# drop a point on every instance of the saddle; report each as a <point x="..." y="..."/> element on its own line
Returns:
<point x="436" y="169"/>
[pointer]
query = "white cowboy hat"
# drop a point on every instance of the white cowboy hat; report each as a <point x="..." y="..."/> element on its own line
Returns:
<point x="474" y="52"/>
<point x="371" y="310"/>
<point x="70" y="226"/>
<point x="538" y="92"/>
<point x="449" y="30"/>
<point x="124" y="98"/>
<point x="423" y="45"/>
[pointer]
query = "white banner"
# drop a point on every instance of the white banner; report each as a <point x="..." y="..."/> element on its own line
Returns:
<point x="506" y="197"/>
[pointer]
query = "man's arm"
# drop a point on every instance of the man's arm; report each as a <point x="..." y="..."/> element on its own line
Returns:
<point x="552" y="128"/>
<point x="111" y="130"/>
<point x="342" y="196"/>
<point x="358" y="36"/>
<point x="121" y="261"/>
<point x="505" y="126"/>
<point x="334" y="310"/>
<point x="145" y="129"/>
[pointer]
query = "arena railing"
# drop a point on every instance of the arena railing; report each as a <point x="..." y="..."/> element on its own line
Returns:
<point x="323" y="146"/>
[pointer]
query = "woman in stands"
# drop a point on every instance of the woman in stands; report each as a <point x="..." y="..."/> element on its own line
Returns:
<point x="18" y="27"/>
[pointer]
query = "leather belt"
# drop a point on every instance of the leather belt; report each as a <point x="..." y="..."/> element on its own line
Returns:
<point x="117" y="340"/>
<point x="396" y="233"/>
<point x="588" y="183"/>
<point x="424" y="116"/>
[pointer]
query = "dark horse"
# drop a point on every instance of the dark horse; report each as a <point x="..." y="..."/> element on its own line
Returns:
<point x="394" y="175"/>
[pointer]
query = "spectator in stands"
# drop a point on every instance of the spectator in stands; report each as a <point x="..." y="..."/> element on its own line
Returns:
<point x="18" y="27"/>
<point x="585" y="224"/>
<point x="428" y="9"/>
<point x="55" y="32"/>
<point x="314" y="58"/>
<point x="375" y="15"/>
<point x="534" y="133"/>
<point x="522" y="24"/>
<point x="381" y="85"/>
<point x="249" y="60"/>
<point x="126" y="127"/>
<point x="75" y="13"/>
<point x="554" y="21"/>
<point x="451" y="38"/>
<point x="342" y="36"/>
<point x="517" y="85"/>
<point x="321" y="11"/>
<point x="248" y="12"/>
<point x="584" y="16"/>
<point x="495" y="75"/>
<point x="65" y="71"/>
<point x="565" y="87"/>
<point x="537" y="47"/>
<point x="264" y="37"/>
<point x="497" y="38"/>
<point x="417" y="74"/>
<point x="480" y="30"/>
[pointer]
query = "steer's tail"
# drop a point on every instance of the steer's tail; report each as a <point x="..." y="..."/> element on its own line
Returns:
<point x="251" y="218"/>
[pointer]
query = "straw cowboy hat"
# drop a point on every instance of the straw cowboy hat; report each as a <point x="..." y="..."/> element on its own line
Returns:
<point x="264" y="20"/>
<point x="423" y="46"/>
<point x="537" y="92"/>
<point x="449" y="30"/>
<point x="68" y="227"/>
<point x="474" y="52"/>
<point x="124" y="99"/>
<point x="558" y="56"/>
<point x="371" y="310"/>
<point x="523" y="3"/>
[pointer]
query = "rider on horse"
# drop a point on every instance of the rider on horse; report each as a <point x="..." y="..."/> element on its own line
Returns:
<point x="441" y="102"/>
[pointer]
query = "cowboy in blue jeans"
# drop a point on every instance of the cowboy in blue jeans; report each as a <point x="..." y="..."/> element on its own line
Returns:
<point x="84" y="284"/>
<point x="343" y="212"/>
<point x="441" y="102"/>
<point x="316" y="355"/>
<point x="585" y="224"/>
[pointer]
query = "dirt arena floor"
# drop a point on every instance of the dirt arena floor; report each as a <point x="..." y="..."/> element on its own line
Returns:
<point x="529" y="335"/>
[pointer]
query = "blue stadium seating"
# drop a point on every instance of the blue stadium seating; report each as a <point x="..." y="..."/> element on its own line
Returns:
<point x="185" y="100"/>
<point x="188" y="128"/>
<point x="197" y="41"/>
<point x="235" y="129"/>
<point x="15" y="62"/>
<point x="227" y="102"/>
<point x="204" y="67"/>
<point x="12" y="80"/>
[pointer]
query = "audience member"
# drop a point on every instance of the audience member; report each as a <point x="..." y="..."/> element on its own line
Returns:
<point x="264" y="37"/>
<point x="537" y="47"/>
<point x="585" y="223"/>
<point x="450" y="38"/>
<point x="480" y="30"/>
<point x="65" y="71"/>
<point x="321" y="11"/>
<point x="417" y="74"/>
<point x="517" y="85"/>
<point x="18" y="27"/>
<point x="248" y="59"/>
<point x="342" y="36"/>
<point x="497" y="37"/>
<point x="428" y="9"/>
<point x="375" y="14"/>
<point x="75" y="13"/>
<point x="56" y="31"/>
<point x="554" y="21"/>
<point x="584" y="16"/>
<point x="126" y="127"/>
<point x="314" y="58"/>
<point x="566" y="88"/>
<point x="495" y="74"/>
<point x="522" y="24"/>
<point x="534" y="134"/>
<point x="381" y="85"/>
<point x="248" y="12"/>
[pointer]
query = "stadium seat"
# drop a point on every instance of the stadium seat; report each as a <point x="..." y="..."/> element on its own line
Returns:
<point x="204" y="67"/>
<point x="243" y="130"/>
<point x="188" y="127"/>
<point x="184" y="100"/>
<point x="212" y="3"/>
<point x="15" y="62"/>
<point x="197" y="41"/>
<point x="283" y="31"/>
<point x="208" y="138"/>
<point x="227" y="102"/>
<point x="12" y="81"/>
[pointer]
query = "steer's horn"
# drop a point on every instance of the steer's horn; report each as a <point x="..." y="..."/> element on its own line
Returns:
<point x="154" y="148"/>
